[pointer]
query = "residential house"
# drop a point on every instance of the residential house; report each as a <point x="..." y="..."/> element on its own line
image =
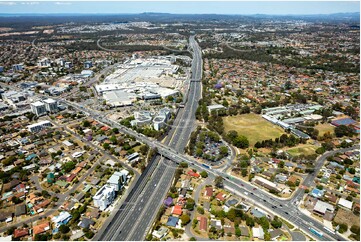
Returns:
<point x="202" y="223"/>
<point x="85" y="223"/>
<point x="41" y="228"/>
<point x="220" y="197"/>
<point x="62" y="219"/>
<point x="20" y="209"/>
<point x="216" y="223"/>
<point x="168" y="202"/>
<point x="172" y="221"/>
<point x="244" y="231"/>
<point x="161" y="232"/>
<point x="345" y="203"/>
<point x="209" y="192"/>
<point x="18" y="233"/>
<point x="177" y="210"/>
<point x="275" y="234"/>
<point x="258" y="233"/>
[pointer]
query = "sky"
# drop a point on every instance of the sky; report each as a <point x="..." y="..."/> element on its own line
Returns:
<point x="180" y="7"/>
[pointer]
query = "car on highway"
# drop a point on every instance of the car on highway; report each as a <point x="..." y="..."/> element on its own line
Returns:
<point x="246" y="193"/>
<point x="254" y="189"/>
<point x="286" y="213"/>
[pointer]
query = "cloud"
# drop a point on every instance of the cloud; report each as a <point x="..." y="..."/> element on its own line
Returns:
<point x="30" y="3"/>
<point x="8" y="3"/>
<point x="62" y="3"/>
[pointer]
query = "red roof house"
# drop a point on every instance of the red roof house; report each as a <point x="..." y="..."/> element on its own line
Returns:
<point x="209" y="192"/>
<point x="202" y="223"/>
<point x="20" y="232"/>
<point x="220" y="197"/>
<point x="194" y="174"/>
<point x="177" y="210"/>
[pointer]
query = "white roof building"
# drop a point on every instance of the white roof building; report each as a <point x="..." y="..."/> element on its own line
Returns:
<point x="104" y="197"/>
<point x="321" y="207"/>
<point x="215" y="107"/>
<point x="258" y="233"/>
<point x="345" y="203"/>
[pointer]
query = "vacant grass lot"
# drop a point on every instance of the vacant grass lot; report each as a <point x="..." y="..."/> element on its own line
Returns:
<point x="304" y="149"/>
<point x="324" y="128"/>
<point x="253" y="126"/>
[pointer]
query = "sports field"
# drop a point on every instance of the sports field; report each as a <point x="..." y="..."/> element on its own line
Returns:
<point x="253" y="126"/>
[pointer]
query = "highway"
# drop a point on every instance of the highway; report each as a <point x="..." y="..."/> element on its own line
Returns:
<point x="146" y="198"/>
<point x="178" y="138"/>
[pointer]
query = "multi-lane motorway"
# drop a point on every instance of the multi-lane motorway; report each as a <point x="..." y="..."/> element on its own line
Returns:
<point x="149" y="193"/>
<point x="145" y="199"/>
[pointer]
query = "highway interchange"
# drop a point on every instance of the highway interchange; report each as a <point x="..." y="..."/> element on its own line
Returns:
<point x="149" y="191"/>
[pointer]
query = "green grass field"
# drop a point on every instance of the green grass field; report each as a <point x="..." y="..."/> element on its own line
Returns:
<point x="324" y="128"/>
<point x="253" y="126"/>
<point x="304" y="149"/>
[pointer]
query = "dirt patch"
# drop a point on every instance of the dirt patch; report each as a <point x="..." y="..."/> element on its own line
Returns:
<point x="347" y="217"/>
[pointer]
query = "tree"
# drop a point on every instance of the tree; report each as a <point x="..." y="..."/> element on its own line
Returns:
<point x="89" y="234"/>
<point x="343" y="130"/>
<point x="192" y="239"/>
<point x="185" y="219"/>
<point x="355" y="229"/>
<point x="238" y="232"/>
<point x="232" y="134"/>
<point x="231" y="215"/>
<point x="86" y="123"/>
<point x="64" y="229"/>
<point x="342" y="228"/>
<point x="68" y="166"/>
<point x="190" y="204"/>
<point x="241" y="142"/>
<point x="204" y="174"/>
<point x="263" y="221"/>
<point x="223" y="150"/>
<point x="106" y="146"/>
<point x="276" y="222"/>
<point x="218" y="181"/>
<point x="250" y="222"/>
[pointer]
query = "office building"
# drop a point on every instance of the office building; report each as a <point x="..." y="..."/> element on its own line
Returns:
<point x="38" y="108"/>
<point x="45" y="62"/>
<point x="51" y="105"/>
<point x="118" y="180"/>
<point x="18" y="67"/>
<point x="39" y="126"/>
<point x="104" y="197"/>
